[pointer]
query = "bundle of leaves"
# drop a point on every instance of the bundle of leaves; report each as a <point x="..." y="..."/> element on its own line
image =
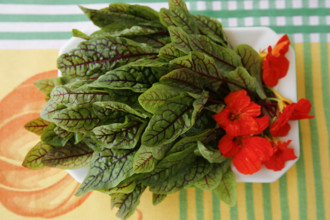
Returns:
<point x="135" y="103"/>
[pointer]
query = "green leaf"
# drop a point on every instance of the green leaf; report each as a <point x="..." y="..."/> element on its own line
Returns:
<point x="121" y="136"/>
<point x="177" y="3"/>
<point x="68" y="157"/>
<point x="66" y="135"/>
<point x="159" y="152"/>
<point x="127" y="186"/>
<point x="225" y="58"/>
<point x="77" y="118"/>
<point x="241" y="79"/>
<point x="156" y="40"/>
<point x="80" y="34"/>
<point x="170" y="52"/>
<point x="180" y="39"/>
<point x="178" y="17"/>
<point x="127" y="203"/>
<point x="190" y="141"/>
<point x="212" y="28"/>
<point x="36" y="125"/>
<point x="135" y="78"/>
<point x="156" y="96"/>
<point x="62" y="94"/>
<point x="144" y="161"/>
<point x="252" y="61"/>
<point x="226" y="190"/>
<point x="143" y="12"/>
<point x="46" y="85"/>
<point x="185" y="80"/>
<point x="211" y="180"/>
<point x="171" y="120"/>
<point x="201" y="64"/>
<point x="212" y="155"/>
<point x="181" y="179"/>
<point x="158" y="198"/>
<point x="107" y="169"/>
<point x="51" y="137"/>
<point x="104" y="17"/>
<point x="118" y="106"/>
<point x="95" y="57"/>
<point x="49" y="110"/>
<point x="215" y="107"/>
<point x="33" y="159"/>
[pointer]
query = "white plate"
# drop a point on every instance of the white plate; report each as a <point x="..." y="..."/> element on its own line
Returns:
<point x="259" y="38"/>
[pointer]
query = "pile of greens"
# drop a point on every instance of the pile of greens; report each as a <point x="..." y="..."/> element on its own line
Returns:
<point x="135" y="104"/>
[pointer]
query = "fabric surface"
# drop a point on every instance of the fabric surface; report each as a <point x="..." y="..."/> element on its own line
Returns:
<point x="32" y="31"/>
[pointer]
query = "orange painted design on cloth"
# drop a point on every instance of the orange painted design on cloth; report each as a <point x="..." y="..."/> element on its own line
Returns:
<point x="36" y="193"/>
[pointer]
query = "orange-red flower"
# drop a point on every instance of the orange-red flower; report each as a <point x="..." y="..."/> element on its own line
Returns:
<point x="248" y="152"/>
<point x="240" y="115"/>
<point x="275" y="64"/>
<point x="281" y="154"/>
<point x="294" y="111"/>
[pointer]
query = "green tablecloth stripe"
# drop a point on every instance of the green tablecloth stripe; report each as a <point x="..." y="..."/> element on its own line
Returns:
<point x="249" y="201"/>
<point x="284" y="203"/>
<point x="266" y="200"/>
<point x="74" y="2"/>
<point x="325" y="79"/>
<point x="183" y="207"/>
<point x="314" y="129"/>
<point x="233" y="213"/>
<point x="215" y="207"/>
<point x="199" y="204"/>
<point x="67" y="35"/>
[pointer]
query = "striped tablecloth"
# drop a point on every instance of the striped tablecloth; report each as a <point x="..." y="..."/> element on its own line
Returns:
<point x="31" y="32"/>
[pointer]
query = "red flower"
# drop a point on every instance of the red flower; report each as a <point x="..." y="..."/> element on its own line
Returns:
<point x="281" y="154"/>
<point x="275" y="64"/>
<point x="294" y="111"/>
<point x="239" y="116"/>
<point x="248" y="152"/>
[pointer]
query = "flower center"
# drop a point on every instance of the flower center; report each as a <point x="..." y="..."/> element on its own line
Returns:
<point x="233" y="117"/>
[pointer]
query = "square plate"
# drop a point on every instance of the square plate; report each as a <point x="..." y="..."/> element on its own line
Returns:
<point x="259" y="38"/>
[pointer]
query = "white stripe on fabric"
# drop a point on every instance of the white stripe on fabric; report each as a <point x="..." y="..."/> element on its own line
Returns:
<point x="280" y="21"/>
<point x="232" y="5"/>
<point x="62" y="9"/>
<point x="297" y="20"/>
<point x="216" y="5"/>
<point x="44" y="27"/>
<point x="314" y="20"/>
<point x="248" y="5"/>
<point x="31" y="44"/>
<point x="313" y="4"/>
<point x="297" y="4"/>
<point x="298" y="38"/>
<point x="315" y="37"/>
<point x="201" y="5"/>
<point x="264" y="4"/>
<point x="280" y="4"/>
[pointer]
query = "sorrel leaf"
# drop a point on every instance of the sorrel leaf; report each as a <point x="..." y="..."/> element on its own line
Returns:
<point x="212" y="155"/>
<point x="252" y="61"/>
<point x="120" y="136"/>
<point x="135" y="78"/>
<point x="49" y="136"/>
<point x="158" y="198"/>
<point x="107" y="169"/>
<point x="170" y="52"/>
<point x="95" y="57"/>
<point x="46" y="85"/>
<point x="127" y="186"/>
<point x="144" y="161"/>
<point x="33" y="159"/>
<point x="68" y="157"/>
<point x="212" y="28"/>
<point x="36" y="125"/>
<point x="77" y="118"/>
<point x="241" y="79"/>
<point x="49" y="110"/>
<point x="156" y="96"/>
<point x="171" y="120"/>
<point x="226" y="190"/>
<point x="119" y="107"/>
<point x="62" y="94"/>
<point x="127" y="202"/>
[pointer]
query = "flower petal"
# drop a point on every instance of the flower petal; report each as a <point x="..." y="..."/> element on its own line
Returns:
<point x="228" y="147"/>
<point x="301" y="110"/>
<point x="238" y="100"/>
<point x="250" y="157"/>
